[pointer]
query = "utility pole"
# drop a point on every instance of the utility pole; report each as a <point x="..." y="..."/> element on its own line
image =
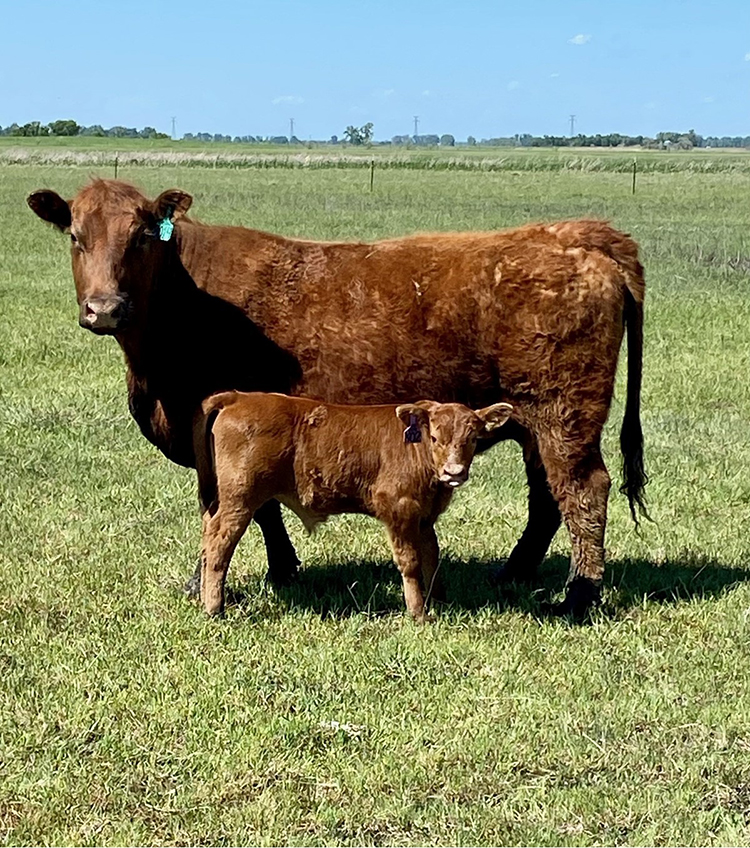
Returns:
<point x="173" y="125"/>
<point x="416" y="126"/>
<point x="572" y="125"/>
<point x="291" y="129"/>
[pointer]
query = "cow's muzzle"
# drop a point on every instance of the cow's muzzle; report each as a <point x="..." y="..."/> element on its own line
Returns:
<point x="104" y="314"/>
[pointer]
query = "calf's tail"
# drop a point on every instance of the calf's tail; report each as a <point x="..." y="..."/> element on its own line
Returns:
<point x="631" y="435"/>
<point x="203" y="445"/>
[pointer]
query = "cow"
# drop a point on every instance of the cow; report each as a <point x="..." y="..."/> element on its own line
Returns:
<point x="533" y="316"/>
<point x="399" y="464"/>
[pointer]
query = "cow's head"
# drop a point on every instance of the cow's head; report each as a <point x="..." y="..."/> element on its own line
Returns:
<point x="115" y="246"/>
<point x="453" y="430"/>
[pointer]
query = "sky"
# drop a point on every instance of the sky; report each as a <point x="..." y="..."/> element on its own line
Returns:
<point x="475" y="67"/>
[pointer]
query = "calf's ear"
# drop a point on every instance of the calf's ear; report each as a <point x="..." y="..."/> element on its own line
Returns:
<point x="172" y="204"/>
<point x="407" y="410"/>
<point x="495" y="416"/>
<point x="50" y="207"/>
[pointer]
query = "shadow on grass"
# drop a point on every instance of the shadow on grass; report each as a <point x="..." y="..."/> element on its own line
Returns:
<point x="374" y="587"/>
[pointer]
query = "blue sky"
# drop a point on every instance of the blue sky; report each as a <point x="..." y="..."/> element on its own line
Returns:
<point x="481" y="68"/>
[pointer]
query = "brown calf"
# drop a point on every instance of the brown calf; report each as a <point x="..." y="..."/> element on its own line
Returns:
<point x="533" y="316"/>
<point x="323" y="459"/>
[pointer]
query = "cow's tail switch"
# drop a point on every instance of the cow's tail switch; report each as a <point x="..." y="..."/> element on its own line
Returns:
<point x="631" y="435"/>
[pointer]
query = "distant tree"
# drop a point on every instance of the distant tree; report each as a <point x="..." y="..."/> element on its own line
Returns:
<point x="352" y="135"/>
<point x="401" y="139"/>
<point x="95" y="130"/>
<point x="67" y="128"/>
<point x="334" y="139"/>
<point x="447" y="140"/>
<point x="471" y="141"/>
<point x="359" y="135"/>
<point x="279" y="139"/>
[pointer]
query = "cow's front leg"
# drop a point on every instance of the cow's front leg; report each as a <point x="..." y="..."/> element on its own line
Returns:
<point x="283" y="562"/>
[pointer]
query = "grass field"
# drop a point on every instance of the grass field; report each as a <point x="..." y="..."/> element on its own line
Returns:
<point x="321" y="715"/>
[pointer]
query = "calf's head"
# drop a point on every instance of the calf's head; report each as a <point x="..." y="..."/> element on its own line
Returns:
<point x="116" y="245"/>
<point x="452" y="430"/>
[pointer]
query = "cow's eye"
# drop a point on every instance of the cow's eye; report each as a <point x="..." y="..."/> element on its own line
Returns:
<point x="73" y="238"/>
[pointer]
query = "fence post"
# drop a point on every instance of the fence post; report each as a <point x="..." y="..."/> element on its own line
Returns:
<point x="372" y="173"/>
<point x="117" y="157"/>
<point x="635" y="167"/>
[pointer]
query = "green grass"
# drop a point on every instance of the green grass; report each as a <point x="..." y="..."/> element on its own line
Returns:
<point x="321" y="715"/>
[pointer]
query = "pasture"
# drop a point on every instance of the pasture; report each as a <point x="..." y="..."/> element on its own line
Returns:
<point x="320" y="714"/>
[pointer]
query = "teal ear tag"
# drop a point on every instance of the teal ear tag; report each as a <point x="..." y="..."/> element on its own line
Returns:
<point x="166" y="227"/>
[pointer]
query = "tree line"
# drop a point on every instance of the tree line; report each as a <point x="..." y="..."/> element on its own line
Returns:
<point x="364" y="136"/>
<point x="72" y="128"/>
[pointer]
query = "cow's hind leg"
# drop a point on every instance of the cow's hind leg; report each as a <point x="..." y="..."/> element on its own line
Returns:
<point x="580" y="482"/>
<point x="543" y="522"/>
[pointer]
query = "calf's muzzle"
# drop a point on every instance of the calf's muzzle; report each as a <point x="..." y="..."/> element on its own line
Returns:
<point x="454" y="474"/>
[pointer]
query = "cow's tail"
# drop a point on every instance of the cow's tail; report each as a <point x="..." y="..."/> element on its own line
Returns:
<point x="631" y="435"/>
<point x="203" y="444"/>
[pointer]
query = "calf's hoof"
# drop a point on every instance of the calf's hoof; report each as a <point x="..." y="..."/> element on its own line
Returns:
<point x="581" y="596"/>
<point x="193" y="586"/>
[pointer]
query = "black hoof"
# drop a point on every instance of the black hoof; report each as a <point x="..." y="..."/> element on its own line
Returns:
<point x="509" y="572"/>
<point x="581" y="597"/>
<point x="283" y="576"/>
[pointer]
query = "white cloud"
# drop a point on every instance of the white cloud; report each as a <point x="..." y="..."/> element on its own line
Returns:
<point x="579" y="39"/>
<point x="383" y="93"/>
<point x="747" y="57"/>
<point x="287" y="98"/>
<point x="652" y="104"/>
<point x="426" y="93"/>
<point x="709" y="99"/>
<point x="513" y="84"/>
<point x="554" y="76"/>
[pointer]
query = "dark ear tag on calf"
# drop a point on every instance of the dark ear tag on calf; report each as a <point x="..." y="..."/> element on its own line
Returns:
<point x="413" y="433"/>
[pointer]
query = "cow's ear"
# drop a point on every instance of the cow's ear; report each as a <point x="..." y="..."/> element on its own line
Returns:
<point x="408" y="412"/>
<point x="172" y="204"/>
<point x="50" y="207"/>
<point x="495" y="416"/>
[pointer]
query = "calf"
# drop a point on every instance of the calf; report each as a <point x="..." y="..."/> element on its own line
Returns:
<point x="324" y="459"/>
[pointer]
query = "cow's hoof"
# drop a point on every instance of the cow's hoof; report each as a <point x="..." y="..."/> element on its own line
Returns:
<point x="581" y="597"/>
<point x="283" y="576"/>
<point x="511" y="572"/>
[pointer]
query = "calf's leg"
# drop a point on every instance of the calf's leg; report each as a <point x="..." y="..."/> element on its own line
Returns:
<point x="221" y="533"/>
<point x="283" y="563"/>
<point x="429" y="555"/>
<point x="406" y="544"/>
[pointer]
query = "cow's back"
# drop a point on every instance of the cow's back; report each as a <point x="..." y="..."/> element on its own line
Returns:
<point x="470" y="317"/>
